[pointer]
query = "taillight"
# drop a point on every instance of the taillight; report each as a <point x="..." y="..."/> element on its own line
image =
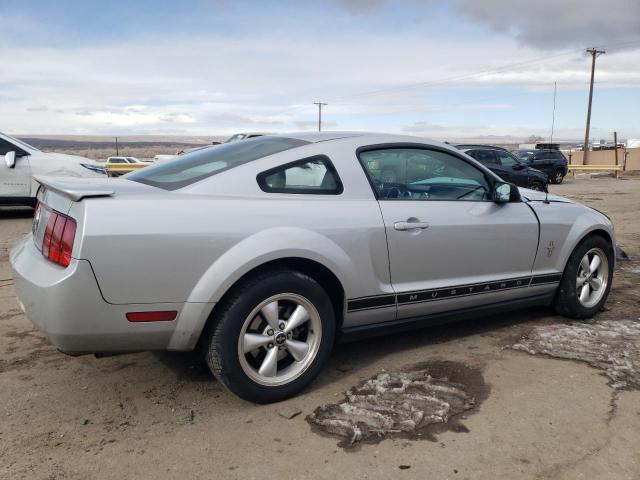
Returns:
<point x="57" y="243"/>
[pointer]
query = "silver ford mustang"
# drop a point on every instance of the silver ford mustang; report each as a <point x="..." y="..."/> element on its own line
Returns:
<point x="262" y="253"/>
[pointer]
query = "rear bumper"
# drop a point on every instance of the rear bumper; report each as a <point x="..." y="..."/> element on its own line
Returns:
<point x="67" y="306"/>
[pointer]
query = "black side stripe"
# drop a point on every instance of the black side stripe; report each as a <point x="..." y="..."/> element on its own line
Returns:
<point x="406" y="298"/>
<point x="371" y="302"/>
<point x="551" y="278"/>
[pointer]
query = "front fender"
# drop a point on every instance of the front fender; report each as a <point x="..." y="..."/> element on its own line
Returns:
<point x="562" y="227"/>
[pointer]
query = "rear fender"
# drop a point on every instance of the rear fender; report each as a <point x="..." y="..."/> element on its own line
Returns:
<point x="253" y="251"/>
<point x="266" y="246"/>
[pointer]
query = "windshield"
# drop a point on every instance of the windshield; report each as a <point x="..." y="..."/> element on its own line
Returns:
<point x="195" y="166"/>
<point x="235" y="138"/>
<point x="20" y="143"/>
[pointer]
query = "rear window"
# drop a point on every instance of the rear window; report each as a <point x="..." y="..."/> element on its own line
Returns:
<point x="198" y="165"/>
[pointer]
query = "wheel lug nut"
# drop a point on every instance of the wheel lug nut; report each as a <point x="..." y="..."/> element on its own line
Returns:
<point x="270" y="345"/>
<point x="281" y="326"/>
<point x="269" y="332"/>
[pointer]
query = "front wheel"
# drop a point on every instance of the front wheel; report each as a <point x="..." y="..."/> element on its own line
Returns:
<point x="537" y="186"/>
<point x="271" y="336"/>
<point x="586" y="280"/>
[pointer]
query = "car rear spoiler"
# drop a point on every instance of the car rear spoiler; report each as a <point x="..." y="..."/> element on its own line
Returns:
<point x="74" y="188"/>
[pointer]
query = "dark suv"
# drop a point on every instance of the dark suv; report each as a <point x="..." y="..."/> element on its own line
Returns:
<point x="551" y="162"/>
<point x="507" y="166"/>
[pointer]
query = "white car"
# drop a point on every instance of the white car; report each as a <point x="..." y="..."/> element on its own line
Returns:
<point x="22" y="161"/>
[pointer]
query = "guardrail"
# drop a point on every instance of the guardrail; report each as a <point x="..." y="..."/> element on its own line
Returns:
<point x="595" y="168"/>
<point x="118" y="169"/>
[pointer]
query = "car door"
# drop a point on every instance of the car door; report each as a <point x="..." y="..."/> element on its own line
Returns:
<point x="543" y="161"/>
<point x="16" y="181"/>
<point x="450" y="245"/>
<point x="490" y="160"/>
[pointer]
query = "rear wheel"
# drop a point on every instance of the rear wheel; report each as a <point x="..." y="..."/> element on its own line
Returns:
<point x="586" y="281"/>
<point x="271" y="337"/>
<point x="558" y="176"/>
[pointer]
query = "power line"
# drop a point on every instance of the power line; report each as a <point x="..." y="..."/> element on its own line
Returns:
<point x="447" y="80"/>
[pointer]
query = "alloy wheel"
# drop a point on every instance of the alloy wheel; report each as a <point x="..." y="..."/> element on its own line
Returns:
<point x="559" y="177"/>
<point x="592" y="278"/>
<point x="279" y="339"/>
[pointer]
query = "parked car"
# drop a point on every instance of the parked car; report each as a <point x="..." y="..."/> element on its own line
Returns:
<point x="243" y="136"/>
<point x="507" y="166"/>
<point x="240" y="251"/>
<point x="117" y="166"/>
<point x="124" y="160"/>
<point x="22" y="161"/>
<point x="551" y="162"/>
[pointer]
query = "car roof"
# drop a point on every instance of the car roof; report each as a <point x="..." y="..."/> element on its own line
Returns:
<point x="361" y="137"/>
<point x="480" y="147"/>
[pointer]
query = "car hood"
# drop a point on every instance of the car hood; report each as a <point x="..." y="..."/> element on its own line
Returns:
<point x="534" y="172"/>
<point x="535" y="196"/>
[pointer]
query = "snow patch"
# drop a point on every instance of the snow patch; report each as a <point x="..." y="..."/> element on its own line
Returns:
<point x="399" y="403"/>
<point x="612" y="346"/>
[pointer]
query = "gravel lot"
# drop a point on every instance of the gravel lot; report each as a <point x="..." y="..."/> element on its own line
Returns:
<point x="159" y="415"/>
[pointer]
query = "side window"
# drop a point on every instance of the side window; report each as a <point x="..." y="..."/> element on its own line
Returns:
<point x="421" y="174"/>
<point x="314" y="175"/>
<point x="506" y="159"/>
<point x="485" y="157"/>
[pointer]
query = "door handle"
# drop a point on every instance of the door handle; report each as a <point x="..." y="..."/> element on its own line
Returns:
<point x="410" y="225"/>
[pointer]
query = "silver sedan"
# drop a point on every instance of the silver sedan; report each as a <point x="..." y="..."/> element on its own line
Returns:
<point x="263" y="253"/>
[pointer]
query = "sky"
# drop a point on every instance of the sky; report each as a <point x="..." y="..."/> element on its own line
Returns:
<point x="442" y="69"/>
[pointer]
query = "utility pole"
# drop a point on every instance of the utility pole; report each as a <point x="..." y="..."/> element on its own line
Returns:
<point x="594" y="53"/>
<point x="553" y="118"/>
<point x="117" y="153"/>
<point x="320" y="105"/>
<point x="615" y="146"/>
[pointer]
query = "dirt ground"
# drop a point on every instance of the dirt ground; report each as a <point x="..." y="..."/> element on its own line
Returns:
<point x="162" y="415"/>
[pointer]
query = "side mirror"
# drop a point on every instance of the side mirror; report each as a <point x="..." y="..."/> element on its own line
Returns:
<point x="518" y="166"/>
<point x="504" y="192"/>
<point x="10" y="159"/>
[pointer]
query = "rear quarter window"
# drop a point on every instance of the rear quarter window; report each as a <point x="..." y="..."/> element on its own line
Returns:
<point x="313" y="175"/>
<point x="195" y="166"/>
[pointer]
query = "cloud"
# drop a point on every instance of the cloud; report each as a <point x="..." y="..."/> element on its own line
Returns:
<point x="553" y="24"/>
<point x="215" y="83"/>
<point x="544" y="24"/>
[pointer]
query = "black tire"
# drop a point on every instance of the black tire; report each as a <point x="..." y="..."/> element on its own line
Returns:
<point x="566" y="302"/>
<point x="221" y="337"/>
<point x="558" y="176"/>
<point x="538" y="186"/>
